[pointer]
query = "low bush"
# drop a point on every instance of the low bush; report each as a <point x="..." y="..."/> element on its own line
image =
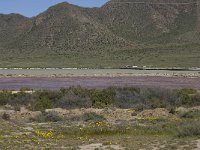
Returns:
<point x="195" y="100"/>
<point x="20" y="98"/>
<point x="72" y="101"/>
<point x="187" y="97"/>
<point x="5" y="96"/>
<point x="189" y="129"/>
<point x="172" y="110"/>
<point x="6" y="116"/>
<point x="191" y="114"/>
<point x="156" y="103"/>
<point x="102" y="98"/>
<point x="46" y="117"/>
<point x="93" y="117"/>
<point x="42" y="104"/>
<point x="186" y="91"/>
<point x="127" y="97"/>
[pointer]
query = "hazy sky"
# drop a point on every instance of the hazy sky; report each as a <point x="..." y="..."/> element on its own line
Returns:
<point x="33" y="7"/>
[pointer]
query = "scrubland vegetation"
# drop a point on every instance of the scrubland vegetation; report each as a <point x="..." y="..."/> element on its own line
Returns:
<point x="112" y="118"/>
<point x="78" y="97"/>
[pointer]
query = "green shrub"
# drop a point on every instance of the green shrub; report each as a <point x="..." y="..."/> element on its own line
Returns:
<point x="156" y="103"/>
<point x="185" y="96"/>
<point x="5" y="96"/>
<point x="104" y="129"/>
<point x="43" y="104"/>
<point x="20" y="98"/>
<point x="25" y="89"/>
<point x="172" y="110"/>
<point x="139" y="107"/>
<point x="135" y="90"/>
<point x="127" y="97"/>
<point x="157" y="97"/>
<point x="190" y="129"/>
<point x="79" y="91"/>
<point x="47" y="94"/>
<point x="6" y="116"/>
<point x="93" y="117"/>
<point x="102" y="98"/>
<point x="72" y="101"/>
<point x="17" y="107"/>
<point x="78" y="97"/>
<point x="191" y="114"/>
<point x="195" y="100"/>
<point x="46" y="117"/>
<point x="186" y="91"/>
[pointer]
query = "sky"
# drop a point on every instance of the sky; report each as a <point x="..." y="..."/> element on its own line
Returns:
<point x="32" y="8"/>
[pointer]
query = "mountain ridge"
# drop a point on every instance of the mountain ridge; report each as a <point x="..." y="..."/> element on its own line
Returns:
<point x="117" y="34"/>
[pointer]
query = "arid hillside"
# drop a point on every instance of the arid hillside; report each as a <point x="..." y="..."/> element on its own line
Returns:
<point x="121" y="32"/>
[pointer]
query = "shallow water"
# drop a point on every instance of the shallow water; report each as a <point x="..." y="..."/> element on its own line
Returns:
<point x="99" y="82"/>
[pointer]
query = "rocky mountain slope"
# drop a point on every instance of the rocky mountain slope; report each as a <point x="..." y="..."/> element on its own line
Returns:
<point x="121" y="32"/>
<point x="144" y="20"/>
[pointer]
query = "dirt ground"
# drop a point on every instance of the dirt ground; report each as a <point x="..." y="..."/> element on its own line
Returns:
<point x="142" y="134"/>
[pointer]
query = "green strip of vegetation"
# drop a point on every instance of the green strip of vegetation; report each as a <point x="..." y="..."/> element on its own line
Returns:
<point x="78" y="97"/>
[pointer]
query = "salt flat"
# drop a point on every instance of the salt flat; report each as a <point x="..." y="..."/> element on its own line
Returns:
<point x="93" y="72"/>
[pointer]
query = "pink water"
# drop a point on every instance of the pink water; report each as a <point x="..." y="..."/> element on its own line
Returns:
<point x="99" y="82"/>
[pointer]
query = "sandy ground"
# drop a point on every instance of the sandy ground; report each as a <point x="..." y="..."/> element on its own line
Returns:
<point x="198" y="145"/>
<point x="100" y="146"/>
<point x="99" y="82"/>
